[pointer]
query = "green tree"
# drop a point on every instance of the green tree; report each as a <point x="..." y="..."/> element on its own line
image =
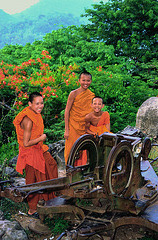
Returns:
<point x="131" y="26"/>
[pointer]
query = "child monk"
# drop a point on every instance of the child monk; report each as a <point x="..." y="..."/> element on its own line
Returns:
<point x="33" y="156"/>
<point x="77" y="107"/>
<point x="97" y="122"/>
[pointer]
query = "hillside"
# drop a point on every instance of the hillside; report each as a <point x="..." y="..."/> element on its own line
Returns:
<point x="41" y="18"/>
<point x="45" y="7"/>
<point x="5" y="18"/>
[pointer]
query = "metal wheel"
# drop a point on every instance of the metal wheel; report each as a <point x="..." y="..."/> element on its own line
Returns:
<point x="85" y="142"/>
<point x="119" y="169"/>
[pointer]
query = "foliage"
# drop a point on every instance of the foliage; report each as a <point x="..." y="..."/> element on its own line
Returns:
<point x="66" y="47"/>
<point x="114" y="83"/>
<point x="34" y="75"/>
<point x="57" y="224"/>
<point x="8" y="150"/>
<point x="131" y="26"/>
<point x="147" y="238"/>
<point x="10" y="208"/>
<point x="153" y="155"/>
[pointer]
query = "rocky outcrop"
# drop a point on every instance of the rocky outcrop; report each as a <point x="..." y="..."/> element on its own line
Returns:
<point x="147" y="117"/>
<point x="11" y="230"/>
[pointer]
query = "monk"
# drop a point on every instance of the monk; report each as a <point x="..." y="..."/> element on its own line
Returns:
<point x="77" y="107"/>
<point x="33" y="156"/>
<point x="97" y="122"/>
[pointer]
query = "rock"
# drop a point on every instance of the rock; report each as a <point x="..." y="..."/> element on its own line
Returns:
<point x="12" y="231"/>
<point x="10" y="172"/>
<point x="57" y="151"/>
<point x="19" y="181"/>
<point x="147" y="117"/>
<point x="39" y="228"/>
<point x="13" y="161"/>
<point x="1" y="215"/>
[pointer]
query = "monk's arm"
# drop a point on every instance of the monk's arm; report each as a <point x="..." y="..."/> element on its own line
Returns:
<point x="67" y="113"/>
<point x="27" y="124"/>
<point x="87" y="125"/>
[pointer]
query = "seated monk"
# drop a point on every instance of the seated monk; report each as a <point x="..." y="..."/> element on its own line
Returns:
<point x="97" y="122"/>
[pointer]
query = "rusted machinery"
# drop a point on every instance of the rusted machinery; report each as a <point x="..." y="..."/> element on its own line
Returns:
<point x="117" y="186"/>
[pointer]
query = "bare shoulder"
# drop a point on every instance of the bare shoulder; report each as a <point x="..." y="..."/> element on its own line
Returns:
<point x="73" y="94"/>
<point x="26" y="122"/>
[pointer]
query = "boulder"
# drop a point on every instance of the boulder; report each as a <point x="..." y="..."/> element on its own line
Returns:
<point x="9" y="171"/>
<point x="147" y="117"/>
<point x="11" y="231"/>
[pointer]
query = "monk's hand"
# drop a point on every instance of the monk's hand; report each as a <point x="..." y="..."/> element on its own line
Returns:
<point x="66" y="135"/>
<point x="43" y="137"/>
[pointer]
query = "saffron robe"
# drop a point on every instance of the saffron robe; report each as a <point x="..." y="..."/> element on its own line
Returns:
<point x="33" y="175"/>
<point x="32" y="155"/>
<point x="101" y="128"/>
<point x="39" y="165"/>
<point x="80" y="108"/>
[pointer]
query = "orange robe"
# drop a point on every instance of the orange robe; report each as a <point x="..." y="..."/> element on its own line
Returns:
<point x="33" y="155"/>
<point x="39" y="165"/>
<point x="101" y="128"/>
<point x="80" y="108"/>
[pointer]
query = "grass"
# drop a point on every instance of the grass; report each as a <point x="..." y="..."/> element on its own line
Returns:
<point x="10" y="208"/>
<point x="57" y="224"/>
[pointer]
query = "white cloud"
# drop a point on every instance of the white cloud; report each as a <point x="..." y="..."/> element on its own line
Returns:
<point x="16" y="6"/>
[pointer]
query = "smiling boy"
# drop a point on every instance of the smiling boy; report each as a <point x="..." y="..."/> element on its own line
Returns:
<point x="39" y="165"/>
<point x="97" y="122"/>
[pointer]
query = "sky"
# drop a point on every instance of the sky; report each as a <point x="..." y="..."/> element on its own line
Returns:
<point x="16" y="6"/>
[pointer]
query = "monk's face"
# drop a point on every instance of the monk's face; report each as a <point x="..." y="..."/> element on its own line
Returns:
<point x="97" y="104"/>
<point x="37" y="104"/>
<point x="85" y="81"/>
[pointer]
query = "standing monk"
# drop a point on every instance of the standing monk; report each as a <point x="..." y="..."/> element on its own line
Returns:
<point x="77" y="107"/>
<point x="33" y="156"/>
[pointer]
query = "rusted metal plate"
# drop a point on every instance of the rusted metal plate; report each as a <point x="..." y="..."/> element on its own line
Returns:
<point x="151" y="213"/>
<point x="122" y="221"/>
<point x="148" y="173"/>
<point x="59" y="205"/>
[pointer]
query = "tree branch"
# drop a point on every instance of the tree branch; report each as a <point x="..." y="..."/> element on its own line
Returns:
<point x="6" y="106"/>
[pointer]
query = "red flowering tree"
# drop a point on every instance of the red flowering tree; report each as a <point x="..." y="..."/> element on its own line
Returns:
<point x="17" y="82"/>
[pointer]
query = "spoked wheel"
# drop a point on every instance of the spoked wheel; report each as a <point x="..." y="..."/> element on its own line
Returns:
<point x="86" y="142"/>
<point x="119" y="169"/>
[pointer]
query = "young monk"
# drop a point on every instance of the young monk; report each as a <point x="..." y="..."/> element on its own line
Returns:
<point x="77" y="107"/>
<point x="97" y="122"/>
<point x="33" y="156"/>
